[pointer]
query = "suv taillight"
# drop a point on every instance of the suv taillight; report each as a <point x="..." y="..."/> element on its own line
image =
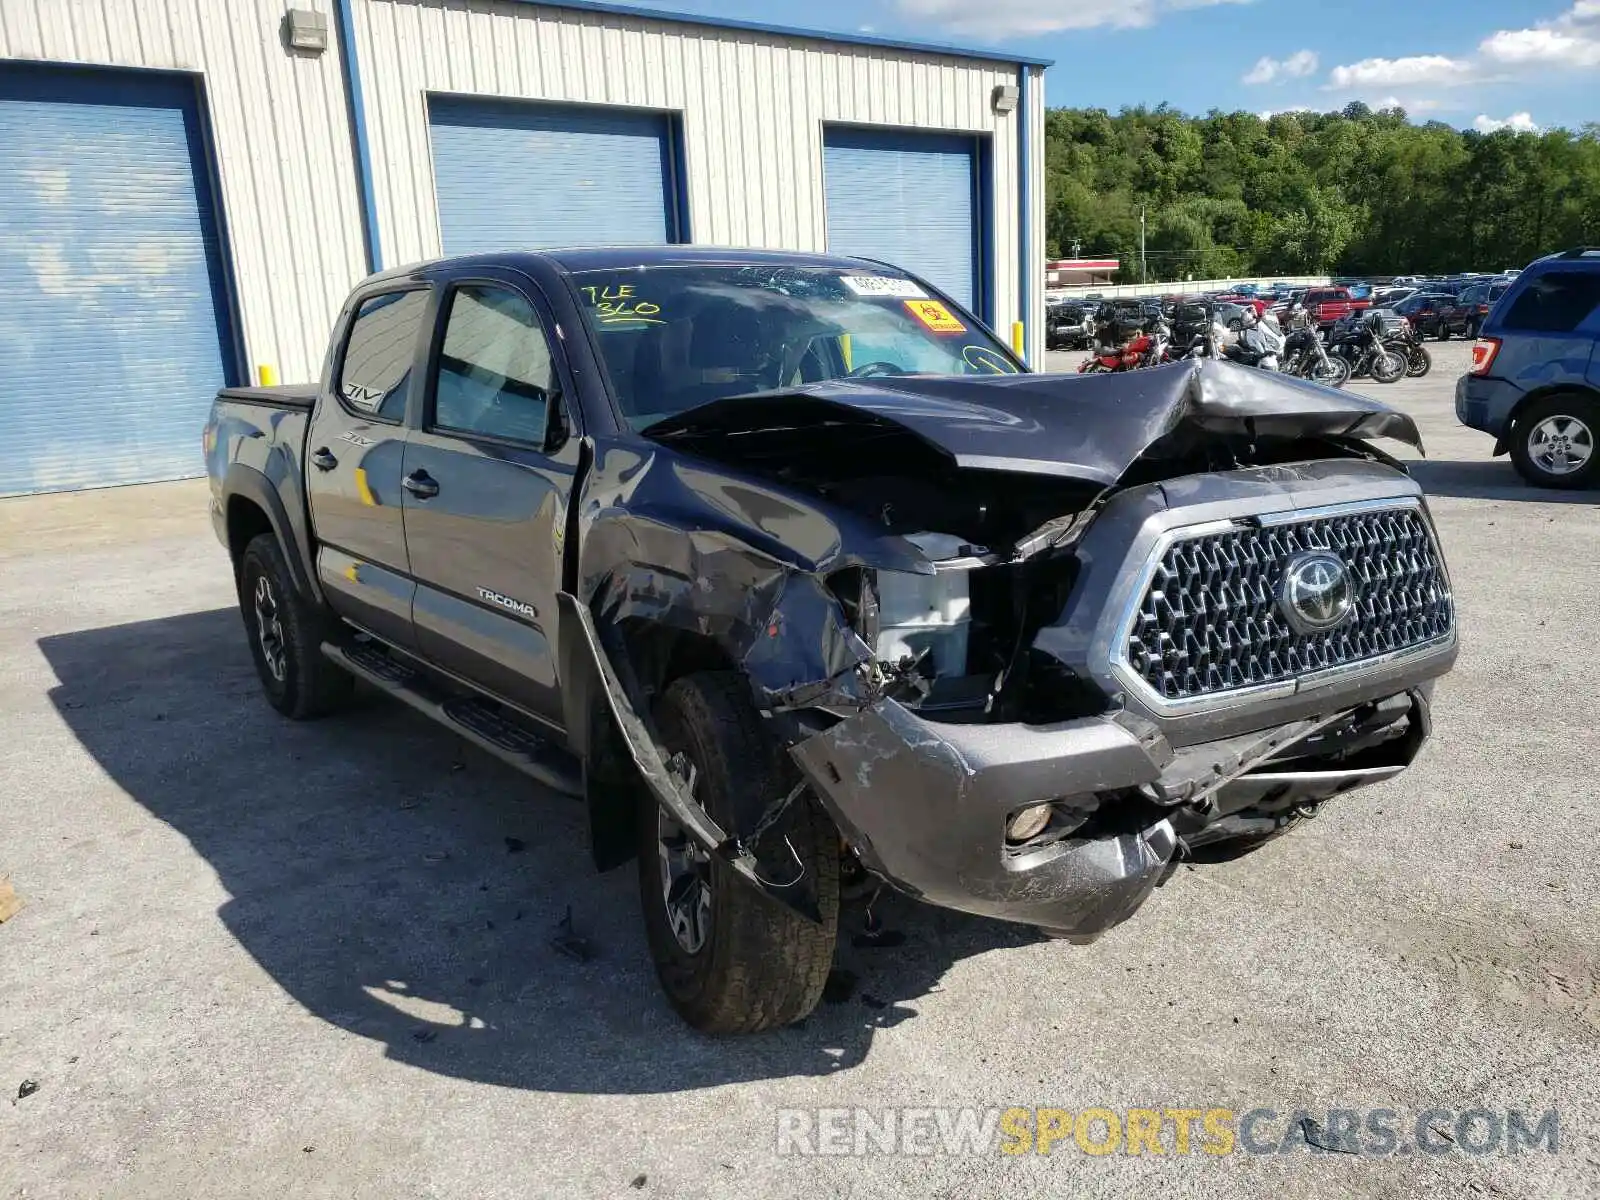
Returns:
<point x="1483" y="352"/>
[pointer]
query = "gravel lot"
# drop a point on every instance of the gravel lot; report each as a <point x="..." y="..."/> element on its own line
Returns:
<point x="259" y="958"/>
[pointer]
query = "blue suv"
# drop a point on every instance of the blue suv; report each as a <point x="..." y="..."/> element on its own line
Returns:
<point x="1535" y="376"/>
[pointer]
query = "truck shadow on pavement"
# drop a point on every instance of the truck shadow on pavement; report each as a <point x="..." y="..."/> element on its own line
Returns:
<point x="406" y="888"/>
<point x="1492" y="480"/>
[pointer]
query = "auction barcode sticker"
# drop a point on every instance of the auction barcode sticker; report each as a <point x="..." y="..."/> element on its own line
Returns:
<point x="884" y="286"/>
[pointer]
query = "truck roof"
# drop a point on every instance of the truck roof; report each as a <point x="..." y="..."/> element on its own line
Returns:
<point x="571" y="259"/>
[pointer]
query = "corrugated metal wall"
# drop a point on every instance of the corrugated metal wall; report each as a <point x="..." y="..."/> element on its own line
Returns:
<point x="281" y="138"/>
<point x="753" y="106"/>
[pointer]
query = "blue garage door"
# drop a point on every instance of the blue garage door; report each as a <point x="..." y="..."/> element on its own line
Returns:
<point x="111" y="311"/>
<point x="515" y="175"/>
<point x="907" y="198"/>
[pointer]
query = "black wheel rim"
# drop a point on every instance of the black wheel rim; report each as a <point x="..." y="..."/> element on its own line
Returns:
<point x="269" y="630"/>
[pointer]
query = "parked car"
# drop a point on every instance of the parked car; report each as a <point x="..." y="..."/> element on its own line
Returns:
<point x="1433" y="314"/>
<point x="784" y="566"/>
<point x="1328" y="306"/>
<point x="1534" y="382"/>
<point x="1069" y="325"/>
<point x="1476" y="301"/>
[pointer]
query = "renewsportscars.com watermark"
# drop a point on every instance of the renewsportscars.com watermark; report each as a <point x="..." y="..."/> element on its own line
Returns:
<point x="1175" y="1132"/>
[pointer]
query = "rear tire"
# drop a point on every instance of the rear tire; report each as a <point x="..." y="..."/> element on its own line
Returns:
<point x="733" y="960"/>
<point x="1538" y="451"/>
<point x="286" y="632"/>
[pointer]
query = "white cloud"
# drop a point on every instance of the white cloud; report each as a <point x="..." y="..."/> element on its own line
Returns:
<point x="1434" y="69"/>
<point x="1541" y="47"/>
<point x="1285" y="112"/>
<point x="1007" y="18"/>
<point x="1270" y="70"/>
<point x="1517" y="122"/>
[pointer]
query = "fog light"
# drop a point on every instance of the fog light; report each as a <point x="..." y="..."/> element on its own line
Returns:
<point x="1028" y="823"/>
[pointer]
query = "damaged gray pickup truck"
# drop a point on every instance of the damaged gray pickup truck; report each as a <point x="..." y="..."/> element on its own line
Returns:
<point x="787" y="568"/>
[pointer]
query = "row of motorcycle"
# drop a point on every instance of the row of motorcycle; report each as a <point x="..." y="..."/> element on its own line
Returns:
<point x="1378" y="345"/>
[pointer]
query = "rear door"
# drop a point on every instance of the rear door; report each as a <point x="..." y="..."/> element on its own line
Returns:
<point x="488" y="476"/>
<point x="354" y="451"/>
<point x="1550" y="325"/>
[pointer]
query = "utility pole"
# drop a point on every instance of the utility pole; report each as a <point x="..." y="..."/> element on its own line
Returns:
<point x="1144" y="271"/>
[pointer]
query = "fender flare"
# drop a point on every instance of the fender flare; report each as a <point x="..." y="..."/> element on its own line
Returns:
<point x="247" y="483"/>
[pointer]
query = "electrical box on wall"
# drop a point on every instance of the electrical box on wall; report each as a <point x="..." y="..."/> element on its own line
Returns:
<point x="308" y="30"/>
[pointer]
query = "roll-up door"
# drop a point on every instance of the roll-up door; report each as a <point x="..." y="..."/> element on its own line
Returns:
<point x="512" y="175"/>
<point x="908" y="198"/>
<point x="112" y="310"/>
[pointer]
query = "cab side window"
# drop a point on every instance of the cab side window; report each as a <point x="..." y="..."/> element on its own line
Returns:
<point x="375" y="371"/>
<point x="495" y="374"/>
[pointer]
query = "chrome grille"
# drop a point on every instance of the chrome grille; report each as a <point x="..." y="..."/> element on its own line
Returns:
<point x="1209" y="622"/>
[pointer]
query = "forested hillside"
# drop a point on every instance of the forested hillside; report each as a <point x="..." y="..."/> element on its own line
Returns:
<point x="1356" y="192"/>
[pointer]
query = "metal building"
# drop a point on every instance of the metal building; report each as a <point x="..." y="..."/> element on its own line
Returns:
<point x="188" y="188"/>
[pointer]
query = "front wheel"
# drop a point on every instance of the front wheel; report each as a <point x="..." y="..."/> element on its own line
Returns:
<point x="1387" y="367"/>
<point x="1332" y="371"/>
<point x="730" y="959"/>
<point x="286" y="633"/>
<point x="1553" y="444"/>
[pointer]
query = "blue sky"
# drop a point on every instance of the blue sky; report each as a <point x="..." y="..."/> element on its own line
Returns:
<point x="1529" y="63"/>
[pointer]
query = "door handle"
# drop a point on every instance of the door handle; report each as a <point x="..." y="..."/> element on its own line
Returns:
<point x="420" y="484"/>
<point x="323" y="459"/>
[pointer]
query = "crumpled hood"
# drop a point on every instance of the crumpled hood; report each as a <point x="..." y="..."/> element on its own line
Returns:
<point x="1088" y="427"/>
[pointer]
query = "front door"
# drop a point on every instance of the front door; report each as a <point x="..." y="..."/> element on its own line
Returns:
<point x="487" y="481"/>
<point x="355" y="448"/>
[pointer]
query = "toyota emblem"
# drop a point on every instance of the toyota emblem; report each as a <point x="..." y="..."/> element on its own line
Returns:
<point x="1317" y="594"/>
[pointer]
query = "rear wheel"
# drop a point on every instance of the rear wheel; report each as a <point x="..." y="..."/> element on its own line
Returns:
<point x="1553" y="443"/>
<point x="730" y="959"/>
<point x="286" y="633"/>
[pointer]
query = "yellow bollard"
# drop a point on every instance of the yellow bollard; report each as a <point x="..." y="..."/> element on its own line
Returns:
<point x="267" y="374"/>
<point x="1018" y="340"/>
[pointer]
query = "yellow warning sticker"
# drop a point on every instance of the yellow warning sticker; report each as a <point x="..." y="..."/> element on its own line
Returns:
<point x="935" y="316"/>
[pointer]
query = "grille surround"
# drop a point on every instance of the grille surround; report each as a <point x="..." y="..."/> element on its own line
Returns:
<point x="1203" y="628"/>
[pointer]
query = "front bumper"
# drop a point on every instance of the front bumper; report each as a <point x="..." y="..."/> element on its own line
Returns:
<point x="925" y="805"/>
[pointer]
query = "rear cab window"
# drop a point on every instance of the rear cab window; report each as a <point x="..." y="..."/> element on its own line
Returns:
<point x="375" y="368"/>
<point x="1554" y="302"/>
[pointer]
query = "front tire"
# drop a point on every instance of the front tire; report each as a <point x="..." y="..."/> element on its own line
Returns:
<point x="1387" y="367"/>
<point x="730" y="959"/>
<point x="1418" y="361"/>
<point x="286" y="633"/>
<point x="1335" y="374"/>
<point x="1553" y="444"/>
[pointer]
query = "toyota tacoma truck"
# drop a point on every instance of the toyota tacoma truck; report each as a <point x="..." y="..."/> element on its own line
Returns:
<point x="793" y="573"/>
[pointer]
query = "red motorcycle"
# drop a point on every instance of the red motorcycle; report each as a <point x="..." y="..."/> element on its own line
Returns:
<point x="1144" y="350"/>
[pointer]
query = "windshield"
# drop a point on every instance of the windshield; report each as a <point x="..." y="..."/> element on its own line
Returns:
<point x="674" y="338"/>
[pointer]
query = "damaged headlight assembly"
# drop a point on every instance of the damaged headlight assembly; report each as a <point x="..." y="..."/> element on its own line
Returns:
<point x="918" y="625"/>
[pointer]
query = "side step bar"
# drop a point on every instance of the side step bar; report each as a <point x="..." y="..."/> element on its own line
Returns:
<point x="479" y="722"/>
